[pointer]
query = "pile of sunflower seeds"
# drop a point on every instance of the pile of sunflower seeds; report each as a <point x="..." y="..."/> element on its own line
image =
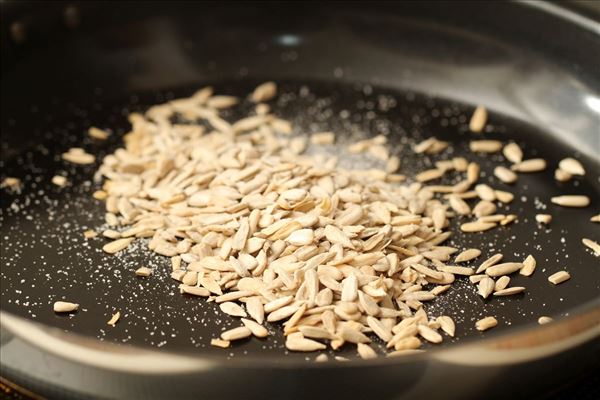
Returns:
<point x="255" y="223"/>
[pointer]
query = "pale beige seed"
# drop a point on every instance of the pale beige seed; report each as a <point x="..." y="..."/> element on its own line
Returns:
<point x="508" y="219"/>
<point x="504" y="197"/>
<point x="543" y="320"/>
<point x="231" y="296"/>
<point x="353" y="336"/>
<point x="473" y="172"/>
<point x="562" y="176"/>
<point x="459" y="205"/>
<point x="321" y="358"/>
<point x="486" y="323"/>
<point x="429" y="334"/>
<point x="264" y="92"/>
<point x="301" y="237"/>
<point x="409" y="343"/>
<point x="447" y="325"/>
<point x="78" y="156"/>
<point x="59" y="180"/>
<point x="483" y="209"/>
<point x="221" y="102"/>
<point x="485" y="192"/>
<point x="350" y="288"/>
<point x="255" y="309"/>
<point x="477" y="278"/>
<point x="532" y="165"/>
<point x="477" y="226"/>
<point x="114" y="319"/>
<point x="502" y="283"/>
<point x="303" y="344"/>
<point x="595" y="218"/>
<point x="392" y="165"/>
<point x="117" y="245"/>
<point x="513" y="153"/>
<point x="194" y="290"/>
<point x="456" y="270"/>
<point x="467" y="255"/>
<point x="440" y="289"/>
<point x="571" y="166"/>
<point x="429" y="175"/>
<point x="143" y="271"/>
<point x="594" y="246"/>
<point x="528" y="266"/>
<point x="65" y="307"/>
<point x="315" y="332"/>
<point x="236" y="333"/>
<point x="503" y="269"/>
<point x="89" y="234"/>
<point x="543" y="218"/>
<point x="322" y="138"/>
<point x="559" y="277"/>
<point x="233" y="309"/>
<point x="257" y="329"/>
<point x="505" y="174"/>
<point x="97" y="133"/>
<point x="278" y="303"/>
<point x="496" y="258"/>
<point x="379" y="329"/>
<point x="485" y="146"/>
<point x="571" y="201"/>
<point x="11" y="182"/>
<point x="282" y="313"/>
<point x="220" y="343"/>
<point x="478" y="119"/>
<point x="485" y="287"/>
<point x="365" y="351"/>
<point x="509" y="291"/>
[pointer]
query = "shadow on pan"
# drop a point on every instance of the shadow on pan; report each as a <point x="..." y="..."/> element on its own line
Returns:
<point x="68" y="66"/>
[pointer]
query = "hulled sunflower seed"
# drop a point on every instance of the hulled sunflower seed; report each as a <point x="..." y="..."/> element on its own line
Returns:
<point x="477" y="226"/>
<point x="513" y="153"/>
<point x="232" y="309"/>
<point x="505" y="174"/>
<point x="365" y="351"/>
<point x="303" y="344"/>
<point x="594" y="246"/>
<point x="65" y="307"/>
<point x="220" y="343"/>
<point x="543" y="320"/>
<point x="503" y="269"/>
<point x="559" y="277"/>
<point x="114" y="319"/>
<point x="485" y="287"/>
<point x="468" y="255"/>
<point x="528" y="266"/>
<point x="485" y="146"/>
<point x="117" y="245"/>
<point x="571" y="166"/>
<point x="236" y="334"/>
<point x="447" y="325"/>
<point x="143" y="271"/>
<point x="486" y="323"/>
<point x="532" y="165"/>
<point x="264" y="92"/>
<point x="478" y="119"/>
<point x="509" y="291"/>
<point x="562" y="176"/>
<point x="543" y="218"/>
<point x="257" y="329"/>
<point x="571" y="201"/>
<point x="429" y="334"/>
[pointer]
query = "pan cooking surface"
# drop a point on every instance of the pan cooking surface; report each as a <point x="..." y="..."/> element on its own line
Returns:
<point x="45" y="257"/>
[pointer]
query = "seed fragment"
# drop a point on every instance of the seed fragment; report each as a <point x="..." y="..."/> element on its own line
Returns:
<point x="478" y="119"/>
<point x="114" y="319"/>
<point x="559" y="277"/>
<point x="78" y="156"/>
<point x="486" y="323"/>
<point x="220" y="343"/>
<point x="592" y="245"/>
<point x="571" y="166"/>
<point x="264" y="92"/>
<point x="65" y="307"/>
<point x="59" y="180"/>
<point x="97" y="133"/>
<point x="562" y="176"/>
<point x="143" y="271"/>
<point x="571" y="201"/>
<point x="528" y="266"/>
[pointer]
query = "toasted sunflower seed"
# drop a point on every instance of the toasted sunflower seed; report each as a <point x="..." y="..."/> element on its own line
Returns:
<point x="571" y="201"/>
<point x="478" y="119"/>
<point x="65" y="307"/>
<point x="477" y="226"/>
<point x="264" y="92"/>
<point x="532" y="165"/>
<point x="559" y="277"/>
<point x="486" y="323"/>
<point x="303" y="344"/>
<point x="513" y="153"/>
<point x="429" y="334"/>
<point x="143" y="271"/>
<point x="117" y="245"/>
<point x="232" y="309"/>
<point x="447" y="325"/>
<point x="220" y="343"/>
<point x="562" y="176"/>
<point x="257" y="329"/>
<point x="503" y="269"/>
<point x="571" y="166"/>
<point x="485" y="287"/>
<point x="528" y="266"/>
<point x="365" y="351"/>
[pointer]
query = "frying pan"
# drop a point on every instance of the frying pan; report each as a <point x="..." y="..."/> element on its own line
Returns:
<point x="66" y="66"/>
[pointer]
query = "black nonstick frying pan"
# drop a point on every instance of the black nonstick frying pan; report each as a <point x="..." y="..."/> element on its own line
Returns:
<point x="410" y="70"/>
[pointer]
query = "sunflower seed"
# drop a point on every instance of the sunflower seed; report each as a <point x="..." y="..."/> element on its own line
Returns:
<point x="365" y="351"/>
<point x="78" y="156"/>
<point x="220" y="343"/>
<point x="502" y="283"/>
<point x="595" y="218"/>
<point x="236" y="334"/>
<point x="509" y="291"/>
<point x="459" y="205"/>
<point x="571" y="166"/>
<point x="486" y="323"/>
<point x="321" y="358"/>
<point x="485" y="146"/>
<point x="143" y="271"/>
<point x="571" y="201"/>
<point x="117" y="245"/>
<point x="513" y="153"/>
<point x="59" y="180"/>
<point x="468" y="255"/>
<point x="505" y="197"/>
<point x="429" y="334"/>
<point x="477" y="226"/>
<point x="429" y="175"/>
<point x="232" y="309"/>
<point x="322" y="138"/>
<point x="303" y="344"/>
<point x="472" y="172"/>
<point x="505" y="174"/>
<point x="257" y="329"/>
<point x="532" y="165"/>
<point x="528" y="266"/>
<point x="562" y="176"/>
<point x="353" y="336"/>
<point x="194" y="290"/>
<point x="485" y="287"/>
<point x="282" y="313"/>
<point x="489" y="262"/>
<point x="264" y="92"/>
<point x="592" y="245"/>
<point x="478" y="119"/>
<point x="65" y="307"/>
<point x="97" y="133"/>
<point x="379" y="329"/>
<point x="485" y="192"/>
<point x="544" y="320"/>
<point x="543" y="218"/>
<point x="559" y="277"/>
<point x="503" y="269"/>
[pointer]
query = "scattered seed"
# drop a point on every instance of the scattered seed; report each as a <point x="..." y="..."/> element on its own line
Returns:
<point x="503" y="269"/>
<point x="571" y="166"/>
<point x="429" y="334"/>
<point x="528" y="266"/>
<point x="485" y="287"/>
<point x="236" y="334"/>
<point x="220" y="343"/>
<point x="477" y="226"/>
<point x="59" y="180"/>
<point x="509" y="291"/>
<point x="65" y="307"/>
<point x="97" y="133"/>
<point x="562" y="176"/>
<point x="143" y="271"/>
<point x="468" y="255"/>
<point x="513" y="153"/>
<point x="571" y="201"/>
<point x="559" y="277"/>
<point x="264" y="92"/>
<point x="478" y="119"/>
<point x="543" y="218"/>
<point x="365" y="351"/>
<point x="257" y="329"/>
<point x="447" y="325"/>
<point x="544" y="320"/>
<point x="233" y="309"/>
<point x="592" y="245"/>
<point x="117" y="245"/>
<point x="505" y="174"/>
<point x="485" y="146"/>
<point x="114" y="319"/>
<point x="501" y="283"/>
<point x="78" y="156"/>
<point x="532" y="165"/>
<point x="486" y="323"/>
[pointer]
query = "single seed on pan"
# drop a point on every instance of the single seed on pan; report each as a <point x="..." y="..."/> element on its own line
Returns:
<point x="592" y="245"/>
<point x="485" y="146"/>
<point x="236" y="333"/>
<point x="257" y="329"/>
<point x="562" y="176"/>
<point x="447" y="325"/>
<point x="478" y="119"/>
<point x="143" y="271"/>
<point x="264" y="92"/>
<point x="220" y="343"/>
<point x="365" y="351"/>
<point x="429" y="175"/>
<point x="571" y="201"/>
<point x="303" y="344"/>
<point x="321" y="358"/>
<point x="486" y="323"/>
<point x="113" y="320"/>
<point x="543" y="218"/>
<point x="503" y="269"/>
<point x="468" y="255"/>
<point x="59" y="180"/>
<point x="472" y="172"/>
<point x="232" y="309"/>
<point x="117" y="245"/>
<point x="65" y="306"/>
<point x="571" y="166"/>
<point x="532" y="165"/>
<point x="505" y="197"/>
<point x="509" y="291"/>
<point x="477" y="226"/>
<point x="559" y="277"/>
<point x="485" y="287"/>
<point x="97" y="133"/>
<point x="501" y="283"/>
<point x="595" y="218"/>
<point x="528" y="266"/>
<point x="459" y="205"/>
<point x="544" y="320"/>
<point x="513" y="153"/>
<point x="505" y="174"/>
